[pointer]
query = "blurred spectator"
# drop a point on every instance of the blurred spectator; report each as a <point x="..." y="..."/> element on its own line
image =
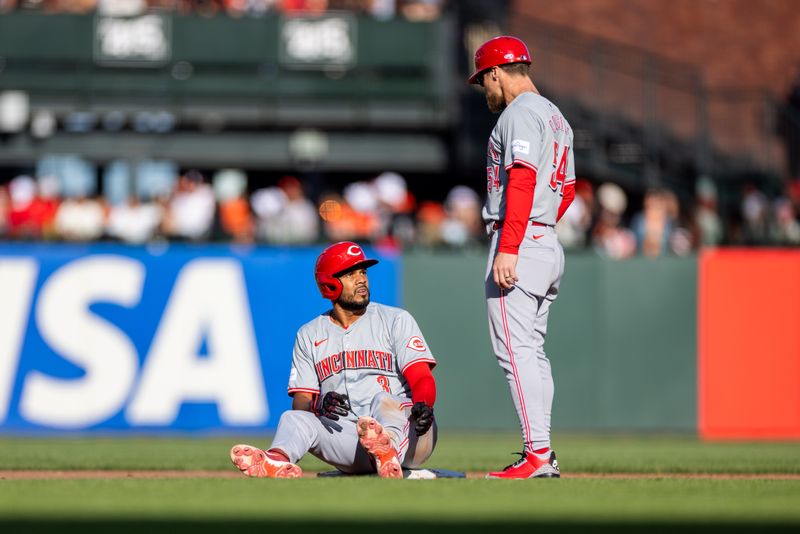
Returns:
<point x="45" y="206"/>
<point x="755" y="214"/>
<point x="573" y="228"/>
<point x="462" y="226"/>
<point x="430" y="217"/>
<point x="121" y="8"/>
<point x="80" y="219"/>
<point x="268" y="204"/>
<point x="304" y="6"/>
<point x="354" y="217"/>
<point x="235" y="218"/>
<point x="22" y="193"/>
<point x="299" y="214"/>
<point x="420" y="10"/>
<point x="285" y="215"/>
<point x="609" y="237"/>
<point x="707" y="219"/>
<point x="5" y="206"/>
<point x="784" y="227"/>
<point x="653" y="225"/>
<point x="134" y="221"/>
<point x="395" y="210"/>
<point x="190" y="211"/>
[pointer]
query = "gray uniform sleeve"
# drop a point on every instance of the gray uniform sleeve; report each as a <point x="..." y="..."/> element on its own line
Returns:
<point x="409" y="345"/>
<point x="570" y="165"/>
<point x="302" y="377"/>
<point x="522" y="138"/>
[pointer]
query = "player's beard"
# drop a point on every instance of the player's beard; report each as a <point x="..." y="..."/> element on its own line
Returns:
<point x="354" y="303"/>
<point x="496" y="103"/>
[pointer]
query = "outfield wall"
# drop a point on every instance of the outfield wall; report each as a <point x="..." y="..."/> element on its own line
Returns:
<point x="621" y="341"/>
<point x="107" y="338"/>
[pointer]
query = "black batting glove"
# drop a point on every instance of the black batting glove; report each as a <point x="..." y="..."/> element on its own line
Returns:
<point x="332" y="405"/>
<point x="423" y="414"/>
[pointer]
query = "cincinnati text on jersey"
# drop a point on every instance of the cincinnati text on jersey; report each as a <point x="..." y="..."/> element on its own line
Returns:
<point x="354" y="359"/>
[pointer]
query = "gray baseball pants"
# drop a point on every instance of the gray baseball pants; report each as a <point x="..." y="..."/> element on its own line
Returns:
<point x="336" y="442"/>
<point x="518" y="326"/>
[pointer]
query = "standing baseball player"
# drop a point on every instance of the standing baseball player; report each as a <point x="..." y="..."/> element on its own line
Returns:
<point x="361" y="383"/>
<point x="530" y="182"/>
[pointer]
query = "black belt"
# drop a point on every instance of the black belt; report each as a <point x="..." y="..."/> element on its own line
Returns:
<point x="498" y="224"/>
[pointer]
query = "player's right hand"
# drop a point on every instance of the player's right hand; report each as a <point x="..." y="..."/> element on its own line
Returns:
<point x="332" y="405"/>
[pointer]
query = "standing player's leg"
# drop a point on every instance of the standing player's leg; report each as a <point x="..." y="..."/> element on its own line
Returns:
<point x="518" y="324"/>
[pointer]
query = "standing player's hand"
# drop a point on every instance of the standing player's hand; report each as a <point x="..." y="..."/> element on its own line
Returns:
<point x="332" y="405"/>
<point x="423" y="414"/>
<point x="504" y="270"/>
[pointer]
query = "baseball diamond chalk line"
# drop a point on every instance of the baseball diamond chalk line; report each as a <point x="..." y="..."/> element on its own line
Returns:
<point x="176" y="474"/>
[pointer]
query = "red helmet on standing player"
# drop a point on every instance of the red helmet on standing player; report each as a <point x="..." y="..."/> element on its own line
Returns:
<point x="499" y="51"/>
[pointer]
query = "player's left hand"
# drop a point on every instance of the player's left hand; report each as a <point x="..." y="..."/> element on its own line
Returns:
<point x="504" y="270"/>
<point x="424" y="417"/>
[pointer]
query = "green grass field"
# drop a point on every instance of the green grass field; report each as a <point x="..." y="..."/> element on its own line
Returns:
<point x="569" y="504"/>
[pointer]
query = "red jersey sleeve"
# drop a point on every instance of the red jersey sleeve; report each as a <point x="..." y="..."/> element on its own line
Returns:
<point x="569" y="196"/>
<point x="519" y="199"/>
<point x="421" y="381"/>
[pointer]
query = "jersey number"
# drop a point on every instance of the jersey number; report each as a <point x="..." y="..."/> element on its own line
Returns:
<point x="559" y="175"/>
<point x="493" y="178"/>
<point x="384" y="383"/>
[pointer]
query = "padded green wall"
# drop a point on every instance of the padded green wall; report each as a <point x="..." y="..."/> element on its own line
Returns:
<point x="622" y="342"/>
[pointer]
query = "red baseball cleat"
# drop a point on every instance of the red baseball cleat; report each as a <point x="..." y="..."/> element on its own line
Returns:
<point x="254" y="462"/>
<point x="529" y="466"/>
<point x="376" y="442"/>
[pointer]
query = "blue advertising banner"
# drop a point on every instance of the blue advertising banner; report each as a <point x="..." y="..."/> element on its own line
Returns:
<point x="104" y="338"/>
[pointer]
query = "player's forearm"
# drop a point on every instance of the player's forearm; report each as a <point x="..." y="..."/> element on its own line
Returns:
<point x="303" y="401"/>
<point x="422" y="384"/>
<point x="519" y="199"/>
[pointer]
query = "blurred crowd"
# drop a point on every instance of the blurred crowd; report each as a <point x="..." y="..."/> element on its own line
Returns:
<point x="413" y="10"/>
<point x="223" y="208"/>
<point x="602" y="219"/>
<point x="383" y="211"/>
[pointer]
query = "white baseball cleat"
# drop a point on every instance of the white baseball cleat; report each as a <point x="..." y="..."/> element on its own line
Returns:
<point x="254" y="462"/>
<point x="377" y="443"/>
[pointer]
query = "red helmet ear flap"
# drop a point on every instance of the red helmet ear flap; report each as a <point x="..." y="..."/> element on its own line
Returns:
<point x="330" y="289"/>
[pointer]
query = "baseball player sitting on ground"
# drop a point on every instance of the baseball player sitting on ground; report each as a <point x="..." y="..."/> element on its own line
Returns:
<point x="361" y="384"/>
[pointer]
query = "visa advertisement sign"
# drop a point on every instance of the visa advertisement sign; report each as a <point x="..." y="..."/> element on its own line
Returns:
<point x="181" y="337"/>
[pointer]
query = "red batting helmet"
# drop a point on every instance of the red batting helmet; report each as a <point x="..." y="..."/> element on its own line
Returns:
<point x="499" y="51"/>
<point x="335" y="260"/>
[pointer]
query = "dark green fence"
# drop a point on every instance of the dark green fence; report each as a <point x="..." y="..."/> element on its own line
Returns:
<point x="622" y="342"/>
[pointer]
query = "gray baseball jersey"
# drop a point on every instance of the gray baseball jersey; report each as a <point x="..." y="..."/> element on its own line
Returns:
<point x="533" y="133"/>
<point x="361" y="361"/>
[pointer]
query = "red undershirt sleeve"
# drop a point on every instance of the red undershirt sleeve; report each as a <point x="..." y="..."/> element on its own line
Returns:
<point x="519" y="199"/>
<point x="422" y="384"/>
<point x="569" y="196"/>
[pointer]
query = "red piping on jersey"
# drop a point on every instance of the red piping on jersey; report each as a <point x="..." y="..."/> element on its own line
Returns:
<point x="524" y="163"/>
<point x="519" y="200"/>
<point x="421" y="381"/>
<point x="526" y="427"/>
<point x="303" y="390"/>
<point x="431" y="364"/>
